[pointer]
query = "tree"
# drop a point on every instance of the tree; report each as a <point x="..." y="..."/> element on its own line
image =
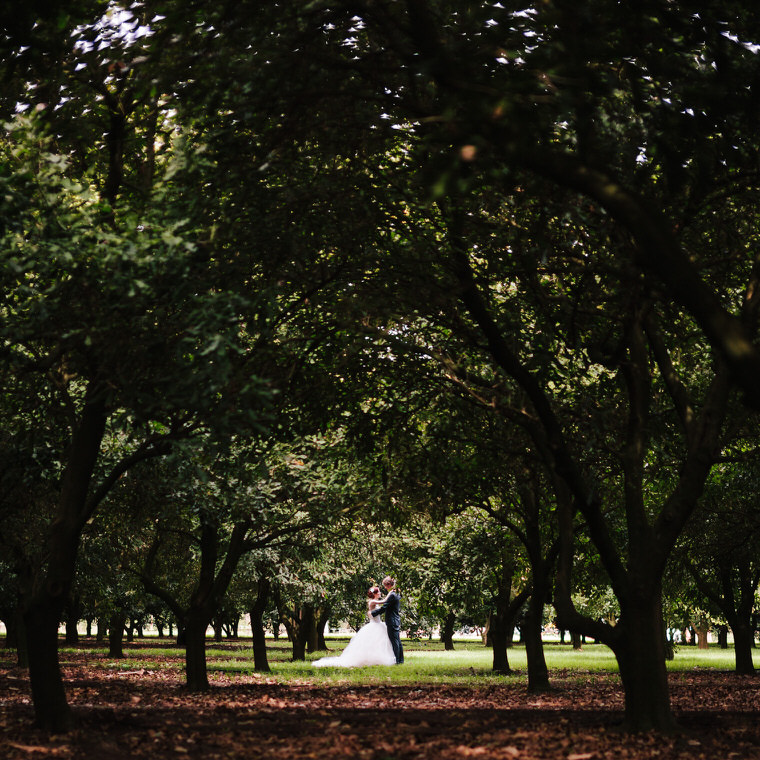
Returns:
<point x="100" y="384"/>
<point x="721" y="549"/>
<point x="224" y="505"/>
<point x="525" y="515"/>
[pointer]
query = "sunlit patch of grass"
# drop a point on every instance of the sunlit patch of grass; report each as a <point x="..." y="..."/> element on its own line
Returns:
<point x="591" y="658"/>
<point x="713" y="658"/>
<point x="470" y="664"/>
<point x="426" y="662"/>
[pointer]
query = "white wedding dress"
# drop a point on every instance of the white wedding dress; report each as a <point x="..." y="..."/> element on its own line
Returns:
<point x="370" y="645"/>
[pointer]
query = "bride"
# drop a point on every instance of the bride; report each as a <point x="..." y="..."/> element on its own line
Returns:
<point x="370" y="645"/>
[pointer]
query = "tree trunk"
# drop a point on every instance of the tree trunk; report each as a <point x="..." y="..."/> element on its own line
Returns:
<point x="51" y="710"/>
<point x="503" y="620"/>
<point x="45" y="599"/>
<point x="72" y="610"/>
<point x="324" y="616"/>
<point x="576" y="640"/>
<point x="196" y="671"/>
<point x="71" y="636"/>
<point x="260" y="662"/>
<point x="743" y="640"/>
<point x="447" y="631"/>
<point x="538" y="673"/>
<point x="116" y="634"/>
<point x="298" y="624"/>
<point x="498" y="630"/>
<point x="298" y="640"/>
<point x="311" y="621"/>
<point x="702" y="637"/>
<point x="640" y="652"/>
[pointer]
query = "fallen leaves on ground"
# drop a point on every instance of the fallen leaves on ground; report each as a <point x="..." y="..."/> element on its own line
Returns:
<point x="148" y="714"/>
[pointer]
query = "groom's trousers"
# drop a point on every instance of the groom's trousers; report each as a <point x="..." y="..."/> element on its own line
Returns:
<point x="394" y="634"/>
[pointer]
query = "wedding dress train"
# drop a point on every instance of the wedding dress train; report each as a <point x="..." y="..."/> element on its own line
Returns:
<point x="370" y="645"/>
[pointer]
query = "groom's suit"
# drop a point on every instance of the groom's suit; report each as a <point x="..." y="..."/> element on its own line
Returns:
<point x="392" y="610"/>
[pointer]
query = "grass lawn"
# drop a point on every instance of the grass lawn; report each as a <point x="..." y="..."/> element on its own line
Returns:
<point x="426" y="662"/>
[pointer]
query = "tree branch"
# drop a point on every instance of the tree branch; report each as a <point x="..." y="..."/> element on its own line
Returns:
<point x="659" y="252"/>
<point x="676" y="388"/>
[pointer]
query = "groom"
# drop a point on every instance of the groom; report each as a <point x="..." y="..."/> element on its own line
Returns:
<point x="392" y="609"/>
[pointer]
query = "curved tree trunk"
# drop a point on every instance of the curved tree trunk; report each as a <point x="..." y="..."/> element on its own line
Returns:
<point x="48" y="592"/>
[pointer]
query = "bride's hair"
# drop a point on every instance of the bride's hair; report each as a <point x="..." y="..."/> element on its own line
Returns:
<point x="372" y="591"/>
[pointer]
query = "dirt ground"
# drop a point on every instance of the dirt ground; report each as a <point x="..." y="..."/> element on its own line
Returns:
<point x="147" y="714"/>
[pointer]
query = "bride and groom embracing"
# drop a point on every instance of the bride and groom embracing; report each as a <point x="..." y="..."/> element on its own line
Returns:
<point x="374" y="643"/>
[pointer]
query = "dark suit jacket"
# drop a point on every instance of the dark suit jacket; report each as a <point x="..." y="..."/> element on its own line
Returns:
<point x="392" y="610"/>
